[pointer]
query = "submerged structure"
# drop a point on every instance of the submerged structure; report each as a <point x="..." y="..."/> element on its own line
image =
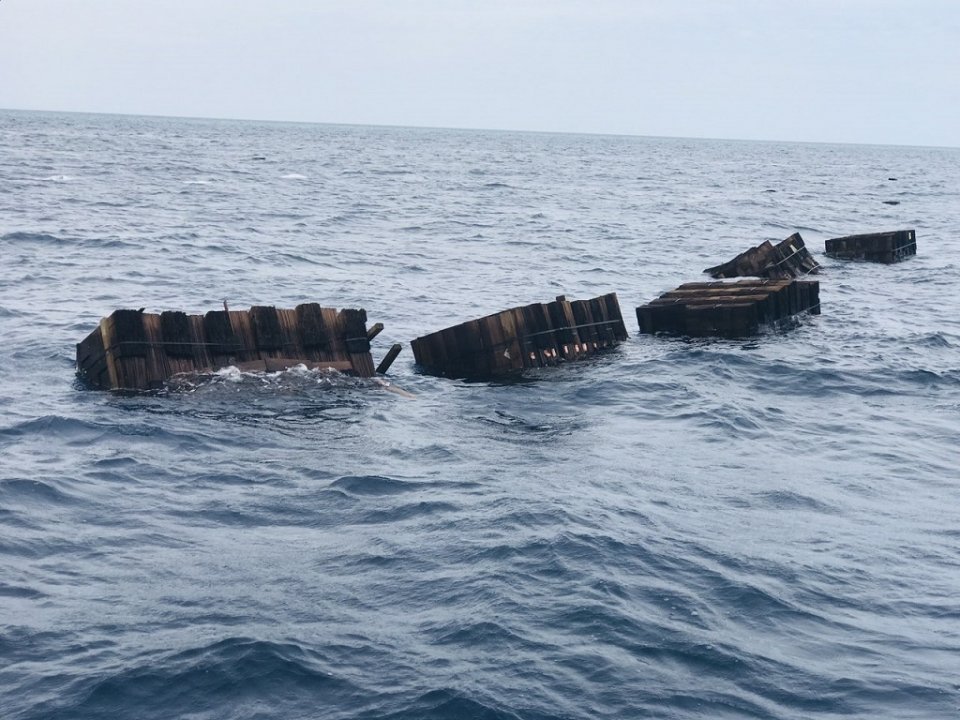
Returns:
<point x="728" y="309"/>
<point x="883" y="247"/>
<point x="134" y="350"/>
<point x="787" y="259"/>
<point x="523" y="337"/>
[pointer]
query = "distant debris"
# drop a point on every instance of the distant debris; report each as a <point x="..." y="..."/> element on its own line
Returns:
<point x="133" y="350"/>
<point x="523" y="337"/>
<point x="258" y="157"/>
<point x="787" y="259"/>
<point x="728" y="309"/>
<point x="883" y="247"/>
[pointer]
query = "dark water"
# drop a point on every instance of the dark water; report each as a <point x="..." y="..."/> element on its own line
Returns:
<point x="711" y="529"/>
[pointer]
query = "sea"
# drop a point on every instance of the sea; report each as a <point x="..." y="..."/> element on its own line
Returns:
<point x="679" y="528"/>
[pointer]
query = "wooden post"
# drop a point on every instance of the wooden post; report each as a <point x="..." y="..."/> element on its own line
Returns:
<point x="388" y="359"/>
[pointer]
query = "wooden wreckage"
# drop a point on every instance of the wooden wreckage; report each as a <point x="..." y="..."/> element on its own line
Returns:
<point x="787" y="259"/>
<point x="768" y="295"/>
<point x="525" y="337"/>
<point x="134" y="351"/>
<point x="885" y="247"/>
<point x="728" y="309"/>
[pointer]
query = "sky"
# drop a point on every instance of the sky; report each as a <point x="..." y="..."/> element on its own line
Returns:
<point x="860" y="71"/>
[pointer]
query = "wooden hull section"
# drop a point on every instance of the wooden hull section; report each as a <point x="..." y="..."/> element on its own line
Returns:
<point x="885" y="247"/>
<point x="134" y="351"/>
<point x="736" y="309"/>
<point x="525" y="337"/>
<point x="787" y="259"/>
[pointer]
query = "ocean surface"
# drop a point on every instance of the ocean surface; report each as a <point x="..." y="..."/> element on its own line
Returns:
<point x="677" y="529"/>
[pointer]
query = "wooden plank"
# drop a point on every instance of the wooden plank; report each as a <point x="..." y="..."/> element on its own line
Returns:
<point x="202" y="356"/>
<point x="388" y="359"/>
<point x="491" y="334"/>
<point x="421" y="351"/>
<point x="513" y="351"/>
<point x="175" y="334"/>
<point x="587" y="332"/>
<point x="335" y="348"/>
<point x="473" y="357"/>
<point x="223" y="341"/>
<point x="267" y="334"/>
<point x="453" y="356"/>
<point x="598" y="308"/>
<point x="313" y="332"/>
<point x="125" y="347"/>
<point x="113" y="373"/>
<point x="564" y="333"/>
<point x="353" y="324"/>
<point x="242" y="325"/>
<point x="159" y="366"/>
<point x="290" y="336"/>
<point x="547" y="341"/>
<point x="128" y="337"/>
<point x="613" y="312"/>
<point x="528" y="349"/>
<point x="374" y="330"/>
<point x="92" y="361"/>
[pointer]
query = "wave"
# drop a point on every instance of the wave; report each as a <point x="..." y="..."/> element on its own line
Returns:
<point x="447" y="703"/>
<point x="15" y="491"/>
<point x="373" y="485"/>
<point x="236" y="677"/>
<point x="32" y="237"/>
<point x="71" y="430"/>
<point x="297" y="378"/>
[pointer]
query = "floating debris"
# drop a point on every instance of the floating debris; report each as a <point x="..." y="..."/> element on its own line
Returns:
<point x="523" y="337"/>
<point x="728" y="309"/>
<point x="787" y="259"/>
<point x="883" y="247"/>
<point x="134" y="350"/>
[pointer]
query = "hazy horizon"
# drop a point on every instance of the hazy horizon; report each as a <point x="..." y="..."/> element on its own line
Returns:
<point x="465" y="129"/>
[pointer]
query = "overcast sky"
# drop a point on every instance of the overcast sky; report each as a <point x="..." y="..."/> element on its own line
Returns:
<point x="866" y="71"/>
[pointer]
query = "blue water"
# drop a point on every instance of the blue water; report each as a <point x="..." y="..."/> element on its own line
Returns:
<point x="679" y="529"/>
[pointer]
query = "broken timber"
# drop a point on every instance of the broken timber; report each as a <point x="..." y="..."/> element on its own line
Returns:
<point x="134" y="350"/>
<point x="728" y="309"/>
<point x="787" y="259"/>
<point x="523" y="337"/>
<point x="884" y="247"/>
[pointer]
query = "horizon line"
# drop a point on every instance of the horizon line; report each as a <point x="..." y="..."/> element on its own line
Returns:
<point x="469" y="129"/>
